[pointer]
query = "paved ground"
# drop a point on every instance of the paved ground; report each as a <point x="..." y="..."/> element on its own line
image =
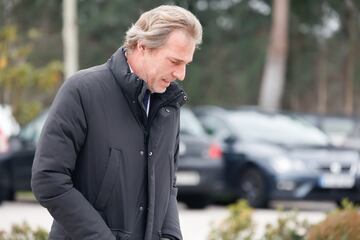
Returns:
<point x="195" y="224"/>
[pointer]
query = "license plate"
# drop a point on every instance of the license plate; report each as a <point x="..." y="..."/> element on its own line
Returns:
<point x="187" y="178"/>
<point x="337" y="181"/>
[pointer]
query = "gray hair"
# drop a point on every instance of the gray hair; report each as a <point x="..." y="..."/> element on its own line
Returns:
<point x="154" y="27"/>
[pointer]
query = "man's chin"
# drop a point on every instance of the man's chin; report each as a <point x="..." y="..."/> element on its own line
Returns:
<point x="160" y="90"/>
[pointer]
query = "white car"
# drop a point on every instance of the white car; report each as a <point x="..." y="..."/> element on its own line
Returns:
<point x="8" y="123"/>
<point x="4" y="145"/>
<point x="8" y="127"/>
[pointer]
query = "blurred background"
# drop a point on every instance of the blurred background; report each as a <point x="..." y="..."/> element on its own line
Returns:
<point x="308" y="50"/>
<point x="296" y="60"/>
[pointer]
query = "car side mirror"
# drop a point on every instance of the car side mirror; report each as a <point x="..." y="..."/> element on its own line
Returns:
<point x="209" y="131"/>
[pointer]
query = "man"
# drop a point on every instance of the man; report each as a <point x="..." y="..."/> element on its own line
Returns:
<point x="105" y="163"/>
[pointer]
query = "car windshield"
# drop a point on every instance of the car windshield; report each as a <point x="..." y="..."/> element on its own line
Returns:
<point x="338" y="126"/>
<point x="276" y="128"/>
<point x="31" y="132"/>
<point x="189" y="124"/>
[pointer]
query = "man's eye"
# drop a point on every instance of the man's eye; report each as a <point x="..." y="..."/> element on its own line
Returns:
<point x="175" y="62"/>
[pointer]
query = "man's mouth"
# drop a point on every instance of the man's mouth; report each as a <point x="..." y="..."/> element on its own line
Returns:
<point x="166" y="82"/>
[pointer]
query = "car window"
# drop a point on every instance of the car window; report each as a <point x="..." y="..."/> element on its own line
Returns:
<point x="355" y="133"/>
<point x="31" y="132"/>
<point x="215" y="126"/>
<point x="189" y="124"/>
<point x="338" y="126"/>
<point x="277" y="128"/>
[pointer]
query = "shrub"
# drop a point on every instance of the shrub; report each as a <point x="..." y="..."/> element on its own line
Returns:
<point x="342" y="224"/>
<point x="24" y="232"/>
<point x="288" y="227"/>
<point x="238" y="225"/>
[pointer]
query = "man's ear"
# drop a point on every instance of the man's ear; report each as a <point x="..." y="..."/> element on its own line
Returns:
<point x="140" y="47"/>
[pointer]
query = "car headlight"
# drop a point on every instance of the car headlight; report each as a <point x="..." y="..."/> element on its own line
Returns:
<point x="284" y="164"/>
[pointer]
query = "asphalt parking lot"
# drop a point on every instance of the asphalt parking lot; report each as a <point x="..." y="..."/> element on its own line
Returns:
<point x="195" y="224"/>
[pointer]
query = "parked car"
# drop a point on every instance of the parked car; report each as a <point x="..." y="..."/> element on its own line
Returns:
<point x="8" y="123"/>
<point x="16" y="163"/>
<point x="200" y="169"/>
<point x="4" y="145"/>
<point x="353" y="138"/>
<point x="8" y="127"/>
<point x="200" y="175"/>
<point x="272" y="156"/>
<point x="342" y="130"/>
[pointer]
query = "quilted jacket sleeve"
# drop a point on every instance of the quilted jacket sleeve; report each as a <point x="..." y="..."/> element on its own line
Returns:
<point x="61" y="140"/>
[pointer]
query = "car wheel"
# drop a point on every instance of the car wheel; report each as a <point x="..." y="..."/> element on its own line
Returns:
<point x="3" y="190"/>
<point x="2" y="197"/>
<point x="10" y="194"/>
<point x="252" y="187"/>
<point x="6" y="192"/>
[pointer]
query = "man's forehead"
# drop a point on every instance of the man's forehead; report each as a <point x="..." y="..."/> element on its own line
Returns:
<point x="181" y="46"/>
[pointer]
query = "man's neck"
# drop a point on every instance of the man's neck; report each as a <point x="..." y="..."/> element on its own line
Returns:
<point x="133" y="65"/>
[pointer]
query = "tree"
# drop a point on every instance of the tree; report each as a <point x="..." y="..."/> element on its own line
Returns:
<point x="323" y="56"/>
<point x="70" y="37"/>
<point x="26" y="88"/>
<point x="229" y="67"/>
<point x="274" y="73"/>
<point x="351" y="28"/>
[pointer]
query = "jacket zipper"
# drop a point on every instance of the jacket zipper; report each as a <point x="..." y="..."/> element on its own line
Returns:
<point x="149" y="120"/>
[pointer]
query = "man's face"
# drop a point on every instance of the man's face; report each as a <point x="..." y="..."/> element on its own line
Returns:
<point x="168" y="63"/>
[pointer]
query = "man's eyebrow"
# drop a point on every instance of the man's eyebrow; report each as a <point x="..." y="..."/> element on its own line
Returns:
<point x="179" y="60"/>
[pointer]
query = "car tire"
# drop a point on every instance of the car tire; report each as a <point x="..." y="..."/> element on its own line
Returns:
<point x="3" y="190"/>
<point x="6" y="192"/>
<point x="252" y="188"/>
<point x="2" y="195"/>
<point x="11" y="194"/>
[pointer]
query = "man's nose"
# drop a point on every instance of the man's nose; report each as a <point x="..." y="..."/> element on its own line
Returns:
<point x="180" y="73"/>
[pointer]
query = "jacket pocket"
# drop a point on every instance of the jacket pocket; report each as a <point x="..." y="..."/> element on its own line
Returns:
<point x="118" y="191"/>
<point x="173" y="187"/>
<point x="172" y="172"/>
<point x="108" y="182"/>
<point x="166" y="111"/>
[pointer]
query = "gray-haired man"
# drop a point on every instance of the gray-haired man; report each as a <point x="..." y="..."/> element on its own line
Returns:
<point x="105" y="164"/>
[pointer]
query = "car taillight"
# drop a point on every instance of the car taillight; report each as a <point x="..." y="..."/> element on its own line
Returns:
<point x="215" y="151"/>
<point x="4" y="146"/>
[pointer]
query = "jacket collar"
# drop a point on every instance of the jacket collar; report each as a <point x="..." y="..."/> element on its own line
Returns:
<point x="134" y="88"/>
